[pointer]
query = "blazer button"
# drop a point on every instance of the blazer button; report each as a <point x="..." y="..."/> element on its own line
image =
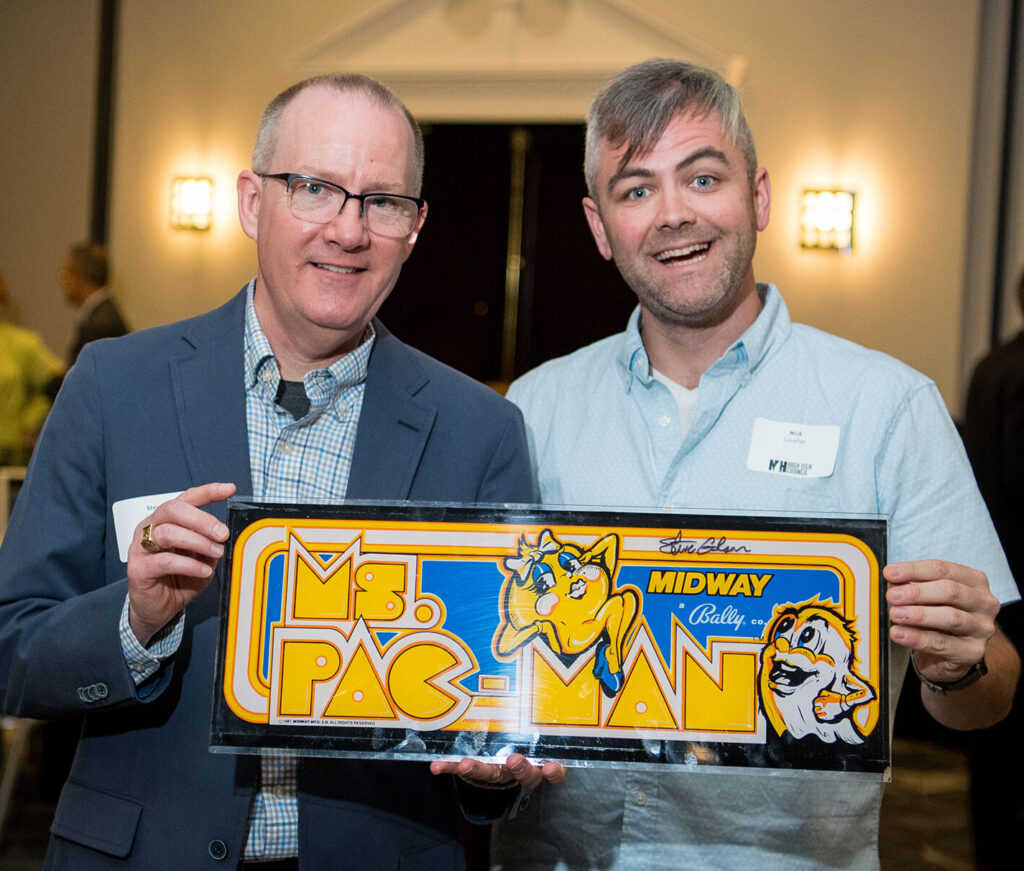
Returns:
<point x="93" y="692"/>
<point x="218" y="849"/>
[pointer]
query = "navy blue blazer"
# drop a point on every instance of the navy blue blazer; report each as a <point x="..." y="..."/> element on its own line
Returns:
<point x="159" y="411"/>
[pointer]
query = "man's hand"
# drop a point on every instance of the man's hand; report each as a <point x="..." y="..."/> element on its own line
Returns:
<point x="515" y="770"/>
<point x="178" y="566"/>
<point x="942" y="611"/>
<point x="945" y="613"/>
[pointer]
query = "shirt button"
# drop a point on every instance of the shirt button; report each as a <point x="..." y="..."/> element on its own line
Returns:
<point x="640" y="798"/>
<point x="267" y="376"/>
<point x="664" y="421"/>
<point x="280" y="793"/>
<point x="286" y="448"/>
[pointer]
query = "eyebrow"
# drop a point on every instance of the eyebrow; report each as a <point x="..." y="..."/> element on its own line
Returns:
<point x="382" y="188"/>
<point x="630" y="171"/>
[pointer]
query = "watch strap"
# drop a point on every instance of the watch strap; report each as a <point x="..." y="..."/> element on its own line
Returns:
<point x="975" y="673"/>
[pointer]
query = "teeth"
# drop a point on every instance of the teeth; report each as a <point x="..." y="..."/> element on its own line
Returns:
<point x="344" y="270"/>
<point x="683" y="252"/>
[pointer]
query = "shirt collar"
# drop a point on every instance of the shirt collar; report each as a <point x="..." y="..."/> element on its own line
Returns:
<point x="750" y="349"/>
<point x="261" y="364"/>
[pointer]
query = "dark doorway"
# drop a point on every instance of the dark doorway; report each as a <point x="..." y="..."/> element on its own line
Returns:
<point x="457" y="299"/>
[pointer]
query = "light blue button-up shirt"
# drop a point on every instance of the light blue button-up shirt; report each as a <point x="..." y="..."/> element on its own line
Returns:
<point x="604" y="432"/>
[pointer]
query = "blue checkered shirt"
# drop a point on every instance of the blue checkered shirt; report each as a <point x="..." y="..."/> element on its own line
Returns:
<point x="290" y="461"/>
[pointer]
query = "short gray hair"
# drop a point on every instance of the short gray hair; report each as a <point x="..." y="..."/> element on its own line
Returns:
<point x="637" y="104"/>
<point x="344" y="83"/>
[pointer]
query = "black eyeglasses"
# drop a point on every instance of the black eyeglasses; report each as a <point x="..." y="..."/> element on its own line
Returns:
<point x="319" y="201"/>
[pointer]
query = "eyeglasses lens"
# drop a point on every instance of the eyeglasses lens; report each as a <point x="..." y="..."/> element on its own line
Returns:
<point x="320" y="203"/>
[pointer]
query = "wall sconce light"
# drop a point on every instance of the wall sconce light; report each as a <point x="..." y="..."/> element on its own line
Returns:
<point x="191" y="203"/>
<point x="826" y="220"/>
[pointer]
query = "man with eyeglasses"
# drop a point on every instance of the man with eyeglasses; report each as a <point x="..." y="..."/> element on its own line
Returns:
<point x="290" y="391"/>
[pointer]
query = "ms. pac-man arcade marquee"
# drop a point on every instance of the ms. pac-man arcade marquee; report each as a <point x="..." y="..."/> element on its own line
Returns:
<point x="592" y="638"/>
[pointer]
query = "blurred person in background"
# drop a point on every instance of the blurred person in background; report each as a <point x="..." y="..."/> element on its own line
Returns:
<point x="27" y="368"/>
<point x="994" y="436"/>
<point x="84" y="279"/>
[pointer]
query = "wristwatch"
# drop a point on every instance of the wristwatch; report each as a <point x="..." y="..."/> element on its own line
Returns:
<point x="975" y="673"/>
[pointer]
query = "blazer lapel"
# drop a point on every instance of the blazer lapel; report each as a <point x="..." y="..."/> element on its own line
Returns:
<point x="210" y="397"/>
<point x="394" y="424"/>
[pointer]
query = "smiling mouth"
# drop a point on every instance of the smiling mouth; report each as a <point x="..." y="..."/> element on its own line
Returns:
<point x="784" y="675"/>
<point x="689" y="254"/>
<point x="341" y="270"/>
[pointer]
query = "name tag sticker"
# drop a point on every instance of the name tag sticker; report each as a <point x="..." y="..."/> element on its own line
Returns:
<point x="129" y="513"/>
<point x="796" y="449"/>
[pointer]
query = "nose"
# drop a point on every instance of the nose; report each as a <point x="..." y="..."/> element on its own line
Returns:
<point x="674" y="208"/>
<point x="348" y="228"/>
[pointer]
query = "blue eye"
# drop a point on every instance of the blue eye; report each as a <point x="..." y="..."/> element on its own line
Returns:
<point x="381" y="202"/>
<point x="638" y="194"/>
<point x="703" y="182"/>
<point x="308" y="188"/>
<point x="543" y="579"/>
<point x="568" y="562"/>
<point x="785" y="625"/>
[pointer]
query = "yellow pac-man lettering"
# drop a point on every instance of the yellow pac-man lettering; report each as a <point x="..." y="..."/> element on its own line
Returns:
<point x="378" y="591"/>
<point x="303" y="664"/>
<point x="641" y="704"/>
<point x="320" y="595"/>
<point x="410" y="676"/>
<point x="729" y="707"/>
<point x="360" y="695"/>
<point x="557" y="703"/>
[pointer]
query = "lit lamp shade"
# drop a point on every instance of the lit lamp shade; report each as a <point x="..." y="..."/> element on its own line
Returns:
<point x="826" y="220"/>
<point x="191" y="203"/>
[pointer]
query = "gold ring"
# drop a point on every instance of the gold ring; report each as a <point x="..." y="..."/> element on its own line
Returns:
<point x="146" y="540"/>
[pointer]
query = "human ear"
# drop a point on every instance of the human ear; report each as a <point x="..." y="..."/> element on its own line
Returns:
<point x="593" y="213"/>
<point x="249" y="186"/>
<point x="415" y="234"/>
<point x="762" y="198"/>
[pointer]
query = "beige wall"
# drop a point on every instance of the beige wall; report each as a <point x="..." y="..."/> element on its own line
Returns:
<point x="874" y="95"/>
<point x="47" y="96"/>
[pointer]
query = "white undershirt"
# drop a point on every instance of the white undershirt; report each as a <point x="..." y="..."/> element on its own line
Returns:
<point x="686" y="400"/>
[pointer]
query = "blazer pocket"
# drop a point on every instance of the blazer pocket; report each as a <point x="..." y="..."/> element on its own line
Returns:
<point x="96" y="819"/>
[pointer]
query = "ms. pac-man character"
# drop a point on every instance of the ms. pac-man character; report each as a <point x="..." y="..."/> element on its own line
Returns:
<point x="563" y="593"/>
<point x="808" y="682"/>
